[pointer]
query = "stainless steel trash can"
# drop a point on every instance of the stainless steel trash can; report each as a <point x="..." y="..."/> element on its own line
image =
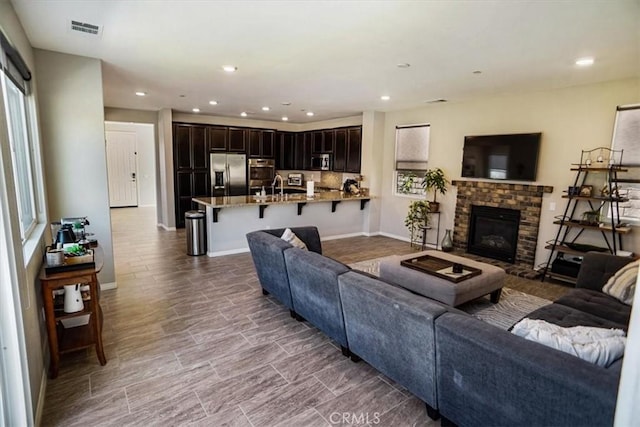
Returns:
<point x="196" y="232"/>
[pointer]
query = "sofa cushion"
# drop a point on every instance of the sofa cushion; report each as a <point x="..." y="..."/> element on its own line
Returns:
<point x="596" y="268"/>
<point x="566" y="316"/>
<point x="622" y="285"/>
<point x="291" y="238"/>
<point x="597" y="304"/>
<point x="601" y="346"/>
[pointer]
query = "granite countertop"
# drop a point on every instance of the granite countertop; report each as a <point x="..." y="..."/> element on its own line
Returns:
<point x="238" y="201"/>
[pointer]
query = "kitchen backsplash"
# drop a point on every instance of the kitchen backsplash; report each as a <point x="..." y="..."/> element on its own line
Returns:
<point x="322" y="179"/>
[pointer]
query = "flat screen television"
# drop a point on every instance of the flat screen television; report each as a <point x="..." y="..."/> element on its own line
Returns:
<point x="510" y="157"/>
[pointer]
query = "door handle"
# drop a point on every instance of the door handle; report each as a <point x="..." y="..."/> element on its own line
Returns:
<point x="133" y="176"/>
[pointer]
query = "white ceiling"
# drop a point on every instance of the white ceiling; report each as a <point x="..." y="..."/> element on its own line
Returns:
<point x="336" y="58"/>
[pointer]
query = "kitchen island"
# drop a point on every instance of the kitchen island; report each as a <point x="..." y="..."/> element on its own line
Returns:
<point x="230" y="218"/>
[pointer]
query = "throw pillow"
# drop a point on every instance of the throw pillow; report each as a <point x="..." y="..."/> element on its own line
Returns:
<point x="622" y="285"/>
<point x="291" y="238"/>
<point x="596" y="345"/>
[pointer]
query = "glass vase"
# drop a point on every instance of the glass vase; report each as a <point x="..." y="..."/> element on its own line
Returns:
<point x="447" y="242"/>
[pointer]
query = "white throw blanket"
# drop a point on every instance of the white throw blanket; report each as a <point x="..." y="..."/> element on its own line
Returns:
<point x="596" y="345"/>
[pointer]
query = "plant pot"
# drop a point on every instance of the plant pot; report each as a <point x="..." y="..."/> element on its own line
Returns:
<point x="434" y="206"/>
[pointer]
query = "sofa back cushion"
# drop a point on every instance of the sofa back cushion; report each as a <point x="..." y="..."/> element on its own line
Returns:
<point x="597" y="268"/>
<point x="392" y="330"/>
<point x="313" y="279"/>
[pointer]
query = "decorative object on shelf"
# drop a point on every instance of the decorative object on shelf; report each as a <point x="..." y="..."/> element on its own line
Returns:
<point x="447" y="242"/>
<point x="417" y="217"/>
<point x="586" y="190"/>
<point x="590" y="217"/>
<point x="434" y="179"/>
<point x="573" y="191"/>
<point x="601" y="157"/>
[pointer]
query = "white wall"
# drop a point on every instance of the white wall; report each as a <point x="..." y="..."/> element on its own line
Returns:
<point x="145" y="159"/>
<point x="570" y="120"/>
<point x="72" y="119"/>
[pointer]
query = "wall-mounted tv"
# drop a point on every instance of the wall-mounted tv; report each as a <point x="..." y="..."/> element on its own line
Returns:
<point x="511" y="157"/>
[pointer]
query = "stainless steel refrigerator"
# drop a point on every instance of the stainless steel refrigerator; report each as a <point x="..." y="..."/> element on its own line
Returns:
<point x="228" y="174"/>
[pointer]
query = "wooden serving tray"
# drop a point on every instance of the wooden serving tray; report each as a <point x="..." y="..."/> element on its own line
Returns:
<point x="441" y="268"/>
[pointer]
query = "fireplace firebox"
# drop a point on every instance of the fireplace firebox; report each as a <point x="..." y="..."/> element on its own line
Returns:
<point x="493" y="232"/>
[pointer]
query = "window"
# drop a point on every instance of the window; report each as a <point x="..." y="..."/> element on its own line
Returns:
<point x="412" y="153"/>
<point x="625" y="137"/>
<point x="15" y="88"/>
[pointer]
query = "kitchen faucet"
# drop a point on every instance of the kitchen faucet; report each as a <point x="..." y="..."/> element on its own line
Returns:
<point x="273" y="185"/>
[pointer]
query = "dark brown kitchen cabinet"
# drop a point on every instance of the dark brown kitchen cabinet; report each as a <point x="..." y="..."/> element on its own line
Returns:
<point x="285" y="150"/>
<point x="237" y="140"/>
<point x="191" y="164"/>
<point x="218" y="138"/>
<point x="304" y="149"/>
<point x="317" y="141"/>
<point x="328" y="140"/>
<point x="347" y="149"/>
<point x="340" y="150"/>
<point x="354" y="149"/>
<point x="261" y="143"/>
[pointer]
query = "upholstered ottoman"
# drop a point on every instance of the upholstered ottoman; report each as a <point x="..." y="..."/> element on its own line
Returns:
<point x="489" y="281"/>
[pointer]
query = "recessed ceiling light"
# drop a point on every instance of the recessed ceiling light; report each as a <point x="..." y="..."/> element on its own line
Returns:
<point x="403" y="65"/>
<point x="196" y="110"/>
<point x="285" y="118"/>
<point x="141" y="93"/>
<point x="309" y="113"/>
<point x="230" y="68"/>
<point x="213" y="102"/>
<point x="584" y="62"/>
<point x="243" y="114"/>
<point x="385" y="97"/>
<point x="265" y="108"/>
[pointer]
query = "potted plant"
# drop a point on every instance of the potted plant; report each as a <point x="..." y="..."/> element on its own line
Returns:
<point x="407" y="183"/>
<point x="417" y="217"/>
<point x="435" y="180"/>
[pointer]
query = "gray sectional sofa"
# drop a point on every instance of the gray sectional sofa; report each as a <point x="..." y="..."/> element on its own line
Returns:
<point x="466" y="370"/>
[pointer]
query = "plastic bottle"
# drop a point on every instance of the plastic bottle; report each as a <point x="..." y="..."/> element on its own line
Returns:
<point x="263" y="192"/>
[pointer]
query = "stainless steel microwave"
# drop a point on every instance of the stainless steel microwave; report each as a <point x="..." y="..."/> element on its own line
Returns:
<point x="321" y="162"/>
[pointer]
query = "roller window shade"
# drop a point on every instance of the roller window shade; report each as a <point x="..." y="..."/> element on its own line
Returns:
<point x="412" y="147"/>
<point x="14" y="66"/>
<point x="626" y="134"/>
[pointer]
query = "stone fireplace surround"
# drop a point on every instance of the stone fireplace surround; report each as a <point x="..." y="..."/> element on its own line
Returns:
<point x="525" y="198"/>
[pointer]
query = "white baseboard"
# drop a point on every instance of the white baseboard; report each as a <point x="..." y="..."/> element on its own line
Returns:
<point x="342" y="236"/>
<point x="393" y="236"/>
<point x="107" y="286"/>
<point x="228" y="252"/>
<point x="166" y="228"/>
<point x="41" y="395"/>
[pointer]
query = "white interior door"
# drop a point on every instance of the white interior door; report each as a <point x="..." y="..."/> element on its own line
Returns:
<point x="121" y="167"/>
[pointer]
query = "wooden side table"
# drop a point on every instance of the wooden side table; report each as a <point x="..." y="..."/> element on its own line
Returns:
<point x="63" y="340"/>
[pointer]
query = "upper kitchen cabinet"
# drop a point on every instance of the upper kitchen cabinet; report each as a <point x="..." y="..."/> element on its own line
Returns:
<point x="340" y="150"/>
<point x="261" y="143"/>
<point x="218" y="138"/>
<point x="237" y="140"/>
<point x="285" y="147"/>
<point x="190" y="147"/>
<point x="303" y="150"/>
<point x="354" y="149"/>
<point x="322" y="141"/>
<point x="347" y="149"/>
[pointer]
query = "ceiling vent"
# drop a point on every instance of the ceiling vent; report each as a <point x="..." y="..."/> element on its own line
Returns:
<point x="435" y="101"/>
<point x="83" y="27"/>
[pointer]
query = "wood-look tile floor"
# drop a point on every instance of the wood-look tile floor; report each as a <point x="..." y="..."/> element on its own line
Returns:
<point x="192" y="341"/>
